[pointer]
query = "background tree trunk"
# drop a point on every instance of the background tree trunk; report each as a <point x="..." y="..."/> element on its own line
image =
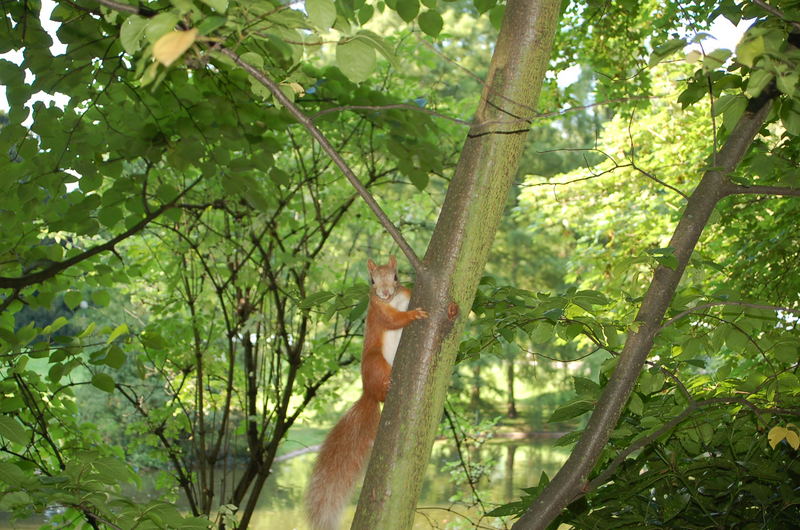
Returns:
<point x="512" y="400"/>
<point x="454" y="263"/>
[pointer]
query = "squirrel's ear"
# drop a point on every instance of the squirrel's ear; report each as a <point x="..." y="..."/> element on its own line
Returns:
<point x="371" y="265"/>
<point x="392" y="261"/>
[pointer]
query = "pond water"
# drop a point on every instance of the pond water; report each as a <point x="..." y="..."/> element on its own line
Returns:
<point x="508" y="467"/>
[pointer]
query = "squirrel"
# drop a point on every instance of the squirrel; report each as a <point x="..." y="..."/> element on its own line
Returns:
<point x="347" y="447"/>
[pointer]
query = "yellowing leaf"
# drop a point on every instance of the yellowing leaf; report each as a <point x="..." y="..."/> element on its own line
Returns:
<point x="776" y="434"/>
<point x="297" y="88"/>
<point x="749" y="50"/>
<point x="693" y="56"/>
<point x="122" y="329"/>
<point x="168" y="48"/>
<point x="793" y="439"/>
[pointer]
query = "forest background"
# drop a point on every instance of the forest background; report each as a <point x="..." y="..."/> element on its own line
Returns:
<point x="182" y="265"/>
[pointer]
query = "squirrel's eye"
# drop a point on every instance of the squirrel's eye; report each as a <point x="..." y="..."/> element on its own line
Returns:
<point x="395" y="277"/>
<point x="371" y="280"/>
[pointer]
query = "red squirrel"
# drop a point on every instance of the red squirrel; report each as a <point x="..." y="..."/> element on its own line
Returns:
<point x="347" y="447"/>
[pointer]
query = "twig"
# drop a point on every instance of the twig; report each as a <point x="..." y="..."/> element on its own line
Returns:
<point x="642" y="442"/>
<point x="713" y="304"/>
<point x="656" y="179"/>
<point x="776" y="12"/>
<point x="118" y="6"/>
<point x="404" y="106"/>
<point x="55" y="268"/>
<point x="308" y="124"/>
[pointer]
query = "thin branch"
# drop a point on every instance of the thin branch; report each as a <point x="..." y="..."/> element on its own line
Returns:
<point x="656" y="179"/>
<point x="55" y="268"/>
<point x="776" y="12"/>
<point x="404" y="106"/>
<point x="643" y="442"/>
<point x="118" y="6"/>
<point x="308" y="124"/>
<point x="713" y="304"/>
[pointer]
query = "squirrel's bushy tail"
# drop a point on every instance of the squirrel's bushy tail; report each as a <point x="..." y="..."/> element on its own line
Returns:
<point x="340" y="463"/>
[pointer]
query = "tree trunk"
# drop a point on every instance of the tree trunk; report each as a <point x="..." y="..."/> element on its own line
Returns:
<point x="512" y="400"/>
<point x="453" y="265"/>
<point x="570" y="482"/>
<point x="475" y="393"/>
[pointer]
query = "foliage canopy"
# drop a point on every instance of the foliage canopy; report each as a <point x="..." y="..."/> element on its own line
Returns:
<point x="180" y="260"/>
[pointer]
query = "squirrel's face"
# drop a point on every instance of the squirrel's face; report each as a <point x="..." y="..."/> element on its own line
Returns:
<point x="383" y="278"/>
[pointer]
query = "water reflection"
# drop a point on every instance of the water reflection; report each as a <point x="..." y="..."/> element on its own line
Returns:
<point x="442" y="500"/>
<point x="445" y="494"/>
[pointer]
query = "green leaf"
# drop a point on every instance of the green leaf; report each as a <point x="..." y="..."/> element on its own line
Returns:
<point x="418" y="178"/>
<point x="542" y="333"/>
<point x="484" y="5"/>
<point x="120" y="330"/>
<point x="749" y="50"/>
<point x="151" y="339"/>
<point x="253" y="59"/>
<point x="568" y="439"/>
<point x="160" y="25"/>
<point x="380" y="45"/>
<point x="210" y="24"/>
<point x="759" y="79"/>
<point x="220" y="6"/>
<point x="280" y="177"/>
<point x="715" y="59"/>
<point x="56" y="372"/>
<point x="115" y="357"/>
<point x="15" y="499"/>
<point x="57" y="324"/>
<point x="407" y="9"/>
<point x="787" y="83"/>
<point x="72" y="299"/>
<point x="12" y="475"/>
<point x="356" y="59"/>
<point x="431" y="23"/>
<point x="787" y="353"/>
<point x="104" y="382"/>
<point x="109" y="216"/>
<point x="321" y="13"/>
<point x="790" y="117"/>
<point x="635" y="404"/>
<point x="571" y="410"/>
<point x="665" y="50"/>
<point x="585" y="387"/>
<point x="13" y="431"/>
<point x="316" y="299"/>
<point x="131" y="33"/>
<point x="101" y="298"/>
<point x="496" y="15"/>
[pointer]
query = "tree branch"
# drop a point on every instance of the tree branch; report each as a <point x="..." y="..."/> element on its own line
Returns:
<point x="784" y="191"/>
<point x="308" y="124"/>
<point x="377" y="108"/>
<point x="570" y="481"/>
<point x="48" y="272"/>
<point x="776" y="12"/>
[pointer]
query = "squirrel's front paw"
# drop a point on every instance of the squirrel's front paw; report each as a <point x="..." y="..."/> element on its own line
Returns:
<point x="420" y="313"/>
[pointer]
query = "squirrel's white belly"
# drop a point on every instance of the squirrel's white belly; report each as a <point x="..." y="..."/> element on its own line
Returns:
<point x="391" y="338"/>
